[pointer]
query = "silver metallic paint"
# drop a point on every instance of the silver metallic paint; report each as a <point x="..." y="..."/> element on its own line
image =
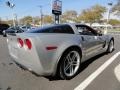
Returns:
<point x="44" y="62"/>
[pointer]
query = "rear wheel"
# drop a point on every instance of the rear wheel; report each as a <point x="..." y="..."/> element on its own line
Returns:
<point x="110" y="46"/>
<point x="4" y="35"/>
<point x="70" y="64"/>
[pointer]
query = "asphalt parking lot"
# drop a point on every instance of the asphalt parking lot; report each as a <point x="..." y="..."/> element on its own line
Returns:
<point x="13" y="78"/>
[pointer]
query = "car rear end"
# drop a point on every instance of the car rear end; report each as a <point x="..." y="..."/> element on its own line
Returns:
<point x="22" y="49"/>
<point x="40" y="50"/>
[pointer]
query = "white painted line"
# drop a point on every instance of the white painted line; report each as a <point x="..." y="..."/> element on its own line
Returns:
<point x="117" y="72"/>
<point x="88" y="80"/>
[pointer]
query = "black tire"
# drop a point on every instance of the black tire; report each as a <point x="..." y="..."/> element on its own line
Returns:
<point x="110" y="46"/>
<point x="76" y="67"/>
<point x="4" y="35"/>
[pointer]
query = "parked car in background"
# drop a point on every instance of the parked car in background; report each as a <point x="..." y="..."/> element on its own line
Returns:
<point x="3" y="27"/>
<point x="27" y="28"/>
<point x="12" y="30"/>
<point x="58" y="49"/>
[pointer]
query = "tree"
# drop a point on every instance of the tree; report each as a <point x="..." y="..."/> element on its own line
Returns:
<point x="47" y="19"/>
<point x="4" y="22"/>
<point x="70" y="15"/>
<point x="36" y="20"/>
<point x="116" y="8"/>
<point x="94" y="14"/>
<point x="27" y="20"/>
<point x="0" y="20"/>
<point x="10" y="22"/>
<point x="114" y="22"/>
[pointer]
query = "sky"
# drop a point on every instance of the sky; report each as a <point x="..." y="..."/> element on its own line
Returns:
<point x="31" y="7"/>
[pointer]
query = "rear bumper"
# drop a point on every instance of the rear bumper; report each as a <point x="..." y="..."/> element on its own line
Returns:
<point x="35" y="69"/>
<point x="25" y="68"/>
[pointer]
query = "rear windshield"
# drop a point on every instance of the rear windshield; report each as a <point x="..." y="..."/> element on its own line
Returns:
<point x="54" y="29"/>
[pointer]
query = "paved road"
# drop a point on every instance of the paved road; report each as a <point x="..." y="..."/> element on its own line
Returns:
<point x="13" y="78"/>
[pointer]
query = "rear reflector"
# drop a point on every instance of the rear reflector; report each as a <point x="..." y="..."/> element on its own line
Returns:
<point x="28" y="43"/>
<point x="51" y="47"/>
<point x="20" y="42"/>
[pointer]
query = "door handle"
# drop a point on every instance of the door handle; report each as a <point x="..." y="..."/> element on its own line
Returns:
<point x="82" y="38"/>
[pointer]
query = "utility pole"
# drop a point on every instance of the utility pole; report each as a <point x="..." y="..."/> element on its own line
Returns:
<point x="7" y="19"/>
<point x="16" y="19"/>
<point x="109" y="11"/>
<point x="41" y="15"/>
<point x="41" y="12"/>
<point x="0" y="20"/>
<point x="108" y="16"/>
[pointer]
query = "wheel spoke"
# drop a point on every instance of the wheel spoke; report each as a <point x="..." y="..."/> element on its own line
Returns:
<point x="74" y="56"/>
<point x="71" y="70"/>
<point x="66" y="67"/>
<point x="75" y="64"/>
<point x="69" y="58"/>
<point x="111" y="46"/>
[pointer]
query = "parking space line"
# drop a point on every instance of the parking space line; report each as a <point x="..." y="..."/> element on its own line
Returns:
<point x="117" y="72"/>
<point x="88" y="80"/>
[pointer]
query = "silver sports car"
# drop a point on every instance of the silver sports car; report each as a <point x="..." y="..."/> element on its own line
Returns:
<point x="57" y="49"/>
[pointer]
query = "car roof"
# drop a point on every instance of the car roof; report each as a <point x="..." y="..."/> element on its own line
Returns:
<point x="71" y="24"/>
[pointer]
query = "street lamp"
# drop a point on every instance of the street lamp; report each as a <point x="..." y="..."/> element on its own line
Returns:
<point x="11" y="6"/>
<point x="108" y="16"/>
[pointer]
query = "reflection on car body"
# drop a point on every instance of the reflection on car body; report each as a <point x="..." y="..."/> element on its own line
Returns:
<point x="58" y="49"/>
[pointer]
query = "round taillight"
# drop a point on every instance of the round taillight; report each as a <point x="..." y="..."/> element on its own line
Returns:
<point x="20" y="42"/>
<point x="28" y="43"/>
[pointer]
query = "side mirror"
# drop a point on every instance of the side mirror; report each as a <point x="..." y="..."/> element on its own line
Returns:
<point x="99" y="32"/>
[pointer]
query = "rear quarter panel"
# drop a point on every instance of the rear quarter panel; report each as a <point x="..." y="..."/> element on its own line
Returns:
<point x="50" y="58"/>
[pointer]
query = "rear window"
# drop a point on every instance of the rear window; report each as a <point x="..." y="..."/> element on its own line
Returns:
<point x="54" y="29"/>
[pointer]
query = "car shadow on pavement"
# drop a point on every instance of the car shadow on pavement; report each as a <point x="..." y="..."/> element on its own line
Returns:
<point x="84" y="65"/>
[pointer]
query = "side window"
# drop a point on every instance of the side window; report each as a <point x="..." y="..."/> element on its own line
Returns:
<point x="84" y="30"/>
<point x="80" y="29"/>
<point x="87" y="31"/>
